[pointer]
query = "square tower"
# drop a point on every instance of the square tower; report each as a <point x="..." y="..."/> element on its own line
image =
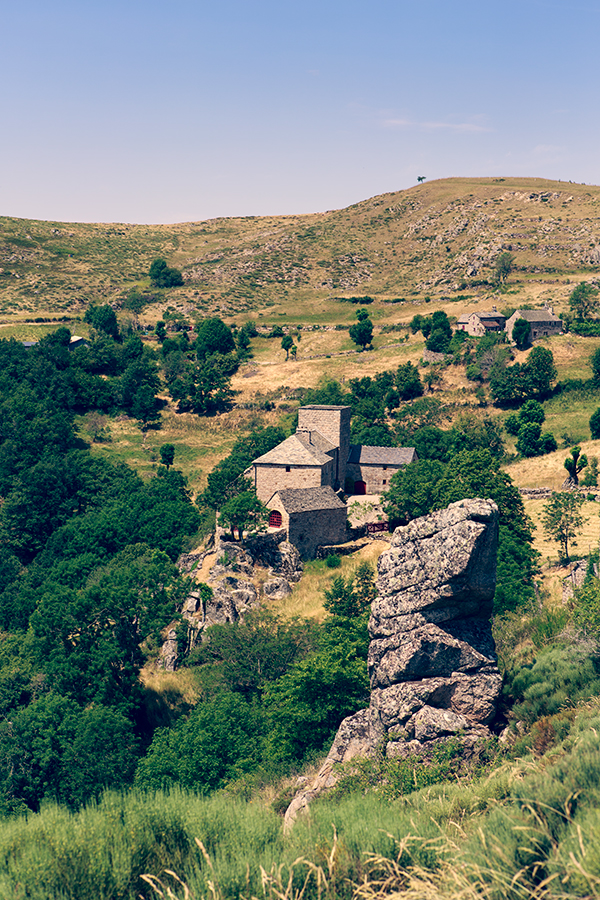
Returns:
<point x="333" y="422"/>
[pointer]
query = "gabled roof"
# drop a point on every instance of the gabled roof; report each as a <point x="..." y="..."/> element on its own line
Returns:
<point x="296" y="500"/>
<point x="381" y="456"/>
<point x="312" y="438"/>
<point x="294" y="451"/>
<point x="537" y="315"/>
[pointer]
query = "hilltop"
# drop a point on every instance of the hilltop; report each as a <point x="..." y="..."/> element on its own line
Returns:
<point x="439" y="239"/>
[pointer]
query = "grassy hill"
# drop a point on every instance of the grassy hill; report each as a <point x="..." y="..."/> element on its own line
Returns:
<point x="440" y="238"/>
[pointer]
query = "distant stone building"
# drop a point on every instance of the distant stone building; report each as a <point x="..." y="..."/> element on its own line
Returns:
<point x="542" y="322"/>
<point x="369" y="469"/>
<point x="477" y="324"/>
<point x="298" y="479"/>
<point x="311" y="516"/>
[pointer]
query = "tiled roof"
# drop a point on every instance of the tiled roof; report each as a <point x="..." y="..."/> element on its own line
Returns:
<point x="311" y="438"/>
<point x="294" y="451"/>
<point x="382" y="456"/>
<point x="308" y="499"/>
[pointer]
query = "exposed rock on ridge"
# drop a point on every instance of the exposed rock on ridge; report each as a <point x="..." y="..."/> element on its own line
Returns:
<point x="432" y="661"/>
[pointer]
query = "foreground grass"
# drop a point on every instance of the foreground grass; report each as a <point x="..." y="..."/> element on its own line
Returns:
<point x="529" y="829"/>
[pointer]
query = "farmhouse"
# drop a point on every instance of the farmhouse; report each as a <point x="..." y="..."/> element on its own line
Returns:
<point x="478" y="324"/>
<point x="300" y="479"/>
<point x="542" y="322"/>
<point x="311" y="516"/>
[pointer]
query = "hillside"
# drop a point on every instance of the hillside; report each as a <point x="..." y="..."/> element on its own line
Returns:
<point x="439" y="238"/>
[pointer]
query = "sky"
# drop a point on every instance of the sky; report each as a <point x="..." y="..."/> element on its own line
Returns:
<point x="162" y="111"/>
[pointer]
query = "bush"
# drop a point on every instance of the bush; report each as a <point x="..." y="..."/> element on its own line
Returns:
<point x="595" y="424"/>
<point x="333" y="561"/>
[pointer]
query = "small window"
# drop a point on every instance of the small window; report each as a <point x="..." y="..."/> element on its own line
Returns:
<point x="288" y="468"/>
<point x="275" y="519"/>
<point x="384" y="481"/>
<point x="385" y="468"/>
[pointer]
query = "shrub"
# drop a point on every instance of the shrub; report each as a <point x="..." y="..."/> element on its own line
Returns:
<point x="333" y="561"/>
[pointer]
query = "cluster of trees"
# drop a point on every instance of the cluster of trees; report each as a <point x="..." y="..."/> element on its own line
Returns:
<point x="437" y="331"/>
<point x="532" y="379"/>
<point x="87" y="582"/>
<point x="275" y="692"/>
<point x="162" y="275"/>
<point x="526" y="426"/>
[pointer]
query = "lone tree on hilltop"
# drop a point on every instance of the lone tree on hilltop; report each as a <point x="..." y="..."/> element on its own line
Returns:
<point x="421" y="178"/>
<point x="562" y="520"/>
<point x="574" y="464"/>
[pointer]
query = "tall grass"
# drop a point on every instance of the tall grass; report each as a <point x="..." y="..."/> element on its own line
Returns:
<point x="530" y="829"/>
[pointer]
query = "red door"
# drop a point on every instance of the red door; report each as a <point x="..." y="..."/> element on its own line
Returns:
<point x="360" y="487"/>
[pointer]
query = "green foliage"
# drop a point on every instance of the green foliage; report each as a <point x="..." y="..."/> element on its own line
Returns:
<point x="167" y="455"/>
<point x="407" y="382"/>
<point x="590" y="479"/>
<point x="583" y="300"/>
<point x="503" y="266"/>
<point x="575" y="463"/>
<point x="532" y="380"/>
<point x="287" y="342"/>
<point x="244" y="512"/>
<point x="333" y="561"/>
<point x="162" y="275"/>
<point x="218" y="742"/>
<point x="557" y="676"/>
<point x="362" y="332"/>
<point x="586" y="607"/>
<point x="521" y="333"/>
<point x="595" y="424"/>
<point x="562" y="520"/>
<point x="103" y="319"/>
<point x="214" y="336"/>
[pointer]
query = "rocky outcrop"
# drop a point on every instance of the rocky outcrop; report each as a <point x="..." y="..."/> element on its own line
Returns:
<point x="431" y="661"/>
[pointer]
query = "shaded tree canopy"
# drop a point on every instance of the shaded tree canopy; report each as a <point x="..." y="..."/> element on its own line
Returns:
<point x="162" y="275"/>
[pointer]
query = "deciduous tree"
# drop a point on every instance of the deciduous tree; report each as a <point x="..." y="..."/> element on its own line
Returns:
<point x="562" y="520"/>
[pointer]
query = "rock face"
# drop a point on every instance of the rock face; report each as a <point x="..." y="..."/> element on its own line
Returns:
<point x="432" y="662"/>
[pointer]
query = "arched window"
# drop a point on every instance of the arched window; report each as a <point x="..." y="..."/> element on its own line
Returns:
<point x="275" y="519"/>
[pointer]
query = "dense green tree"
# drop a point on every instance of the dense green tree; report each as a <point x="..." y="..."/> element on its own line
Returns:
<point x="287" y="342"/>
<point x="362" y="332"/>
<point x="167" y="455"/>
<point x="562" y="520"/>
<point x="528" y="440"/>
<point x="408" y="382"/>
<point x="244" y="512"/>
<point x="521" y="333"/>
<point x="103" y="319"/>
<point x="584" y="300"/>
<point x="160" y="331"/>
<point x="214" y="336"/>
<point x="540" y="372"/>
<point x="163" y="275"/>
<point x="595" y="424"/>
<point x="226" y="480"/>
<point x="220" y="741"/>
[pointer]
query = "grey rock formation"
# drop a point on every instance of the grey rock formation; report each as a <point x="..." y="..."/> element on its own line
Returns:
<point x="277" y="589"/>
<point x="432" y="661"/>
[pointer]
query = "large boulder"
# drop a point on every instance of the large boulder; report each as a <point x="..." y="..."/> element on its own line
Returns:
<point x="432" y="660"/>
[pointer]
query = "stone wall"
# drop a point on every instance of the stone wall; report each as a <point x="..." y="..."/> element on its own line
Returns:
<point x="309" y="530"/>
<point x="270" y="479"/>
<point x="333" y="422"/>
<point x="377" y="478"/>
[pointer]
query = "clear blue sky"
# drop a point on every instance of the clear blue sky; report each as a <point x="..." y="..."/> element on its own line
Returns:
<point x="177" y="110"/>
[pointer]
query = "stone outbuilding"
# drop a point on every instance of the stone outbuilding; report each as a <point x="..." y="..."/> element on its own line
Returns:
<point x="478" y="324"/>
<point x="311" y="516"/>
<point x="369" y="469"/>
<point x="542" y="322"/>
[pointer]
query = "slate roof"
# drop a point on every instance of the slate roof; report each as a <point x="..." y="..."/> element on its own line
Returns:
<point x="381" y="456"/>
<point x="294" y="451"/>
<point x="537" y="315"/>
<point x="297" y="500"/>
